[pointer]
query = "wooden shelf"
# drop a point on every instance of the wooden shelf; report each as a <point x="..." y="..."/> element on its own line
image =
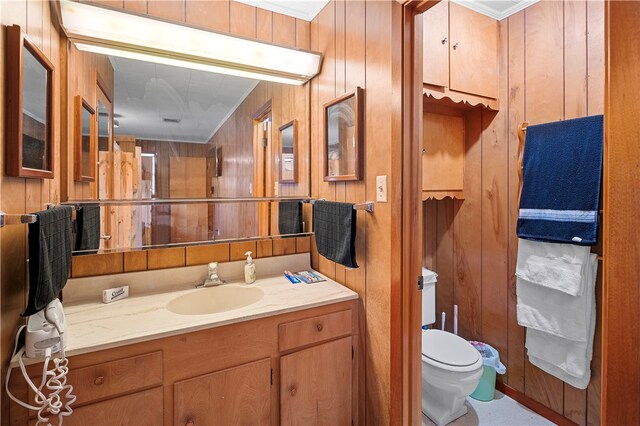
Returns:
<point x="441" y="195"/>
<point x="458" y="99"/>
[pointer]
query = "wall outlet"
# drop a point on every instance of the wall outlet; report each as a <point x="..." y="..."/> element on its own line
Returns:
<point x="381" y="189"/>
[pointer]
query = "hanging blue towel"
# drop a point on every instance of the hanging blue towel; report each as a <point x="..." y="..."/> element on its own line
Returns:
<point x="562" y="171"/>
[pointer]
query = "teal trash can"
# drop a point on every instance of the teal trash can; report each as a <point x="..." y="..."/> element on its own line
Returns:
<point x="491" y="359"/>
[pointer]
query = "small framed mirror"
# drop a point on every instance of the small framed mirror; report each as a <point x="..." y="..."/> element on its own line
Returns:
<point x="343" y="137"/>
<point x="29" y="115"/>
<point x="289" y="152"/>
<point x="85" y="141"/>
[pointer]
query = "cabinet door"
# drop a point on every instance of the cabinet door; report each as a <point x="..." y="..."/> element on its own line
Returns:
<point x="235" y="396"/>
<point x="316" y="385"/>
<point x="138" y="409"/>
<point x="443" y="158"/>
<point x="473" y="52"/>
<point x="435" y="36"/>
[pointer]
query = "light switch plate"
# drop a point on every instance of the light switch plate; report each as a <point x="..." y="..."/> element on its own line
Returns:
<point x="381" y="189"/>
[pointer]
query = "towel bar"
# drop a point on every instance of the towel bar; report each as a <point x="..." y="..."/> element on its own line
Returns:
<point x="366" y="206"/>
<point x="16" y="219"/>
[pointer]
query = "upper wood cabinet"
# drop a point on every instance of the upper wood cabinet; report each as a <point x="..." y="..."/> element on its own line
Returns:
<point x="460" y="50"/>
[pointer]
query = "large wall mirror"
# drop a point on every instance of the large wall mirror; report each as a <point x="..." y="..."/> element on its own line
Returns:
<point x="168" y="132"/>
<point x="29" y="87"/>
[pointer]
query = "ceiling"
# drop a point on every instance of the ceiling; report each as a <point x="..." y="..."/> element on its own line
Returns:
<point x="147" y="93"/>
<point x="497" y="9"/>
<point x="307" y="10"/>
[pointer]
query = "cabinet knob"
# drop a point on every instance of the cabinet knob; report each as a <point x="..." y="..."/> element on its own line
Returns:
<point x="455" y="46"/>
<point x="98" y="381"/>
<point x="444" y="41"/>
<point x="319" y="326"/>
<point x="190" y="423"/>
<point x="293" y="390"/>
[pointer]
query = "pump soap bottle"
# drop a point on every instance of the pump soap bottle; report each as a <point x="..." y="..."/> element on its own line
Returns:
<point x="249" y="269"/>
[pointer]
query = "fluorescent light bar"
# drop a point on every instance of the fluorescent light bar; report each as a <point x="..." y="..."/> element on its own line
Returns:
<point x="99" y="30"/>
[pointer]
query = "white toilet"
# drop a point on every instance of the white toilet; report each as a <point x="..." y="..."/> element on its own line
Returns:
<point x="451" y="368"/>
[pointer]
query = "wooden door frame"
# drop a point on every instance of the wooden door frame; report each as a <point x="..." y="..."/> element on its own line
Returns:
<point x="406" y="390"/>
<point x="621" y="267"/>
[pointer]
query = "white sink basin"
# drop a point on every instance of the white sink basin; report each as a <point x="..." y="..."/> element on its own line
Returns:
<point x="212" y="300"/>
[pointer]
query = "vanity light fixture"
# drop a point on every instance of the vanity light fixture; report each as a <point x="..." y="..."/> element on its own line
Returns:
<point x="110" y="32"/>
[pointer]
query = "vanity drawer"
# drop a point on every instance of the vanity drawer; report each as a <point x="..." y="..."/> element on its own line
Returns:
<point x="304" y="332"/>
<point x="114" y="378"/>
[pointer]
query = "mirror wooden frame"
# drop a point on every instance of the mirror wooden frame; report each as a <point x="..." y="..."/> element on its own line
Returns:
<point x="16" y="42"/>
<point x="358" y="96"/>
<point x="80" y="105"/>
<point x="294" y="125"/>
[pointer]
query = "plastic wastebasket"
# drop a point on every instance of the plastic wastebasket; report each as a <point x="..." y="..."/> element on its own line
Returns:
<point x="491" y="359"/>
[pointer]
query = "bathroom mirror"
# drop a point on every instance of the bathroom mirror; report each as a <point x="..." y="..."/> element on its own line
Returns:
<point x="85" y="140"/>
<point x="343" y="137"/>
<point x="288" y="152"/>
<point x="29" y="92"/>
<point x="167" y="132"/>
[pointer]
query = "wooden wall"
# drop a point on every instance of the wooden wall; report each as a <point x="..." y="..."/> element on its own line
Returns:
<point x="235" y="138"/>
<point x="19" y="195"/>
<point x="551" y="68"/>
<point x="361" y="44"/>
<point x="358" y="41"/>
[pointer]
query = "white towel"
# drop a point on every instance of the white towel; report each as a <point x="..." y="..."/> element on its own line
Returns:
<point x="557" y="266"/>
<point x="568" y="360"/>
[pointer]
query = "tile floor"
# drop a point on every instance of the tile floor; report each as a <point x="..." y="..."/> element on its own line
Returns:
<point x="502" y="411"/>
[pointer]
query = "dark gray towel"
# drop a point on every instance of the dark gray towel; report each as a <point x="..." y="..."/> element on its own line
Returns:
<point x="88" y="228"/>
<point x="335" y="227"/>
<point x="290" y="217"/>
<point x="49" y="257"/>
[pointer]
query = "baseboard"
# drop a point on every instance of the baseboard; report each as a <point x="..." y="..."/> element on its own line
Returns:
<point x="534" y="405"/>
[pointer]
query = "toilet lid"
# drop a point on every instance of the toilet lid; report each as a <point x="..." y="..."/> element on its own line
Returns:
<point x="447" y="348"/>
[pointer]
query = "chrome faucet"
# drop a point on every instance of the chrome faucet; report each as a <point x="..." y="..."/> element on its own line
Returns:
<point x="212" y="277"/>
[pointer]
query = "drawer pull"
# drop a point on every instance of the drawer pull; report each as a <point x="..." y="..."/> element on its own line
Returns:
<point x="293" y="390"/>
<point x="190" y="423"/>
<point x="98" y="381"/>
<point x="319" y="326"/>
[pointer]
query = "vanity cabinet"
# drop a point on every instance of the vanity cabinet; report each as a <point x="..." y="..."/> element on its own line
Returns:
<point x="234" y="396"/>
<point x="315" y="385"/>
<point x="293" y="368"/>
<point x="460" y="50"/>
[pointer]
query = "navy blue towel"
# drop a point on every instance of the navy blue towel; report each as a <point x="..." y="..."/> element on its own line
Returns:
<point x="562" y="172"/>
<point x="49" y="257"/>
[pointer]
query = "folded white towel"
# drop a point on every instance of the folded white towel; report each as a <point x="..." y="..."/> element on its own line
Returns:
<point x="566" y="359"/>
<point x="557" y="266"/>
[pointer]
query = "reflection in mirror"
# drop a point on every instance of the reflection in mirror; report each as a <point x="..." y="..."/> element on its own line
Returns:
<point x="343" y="137"/>
<point x="85" y="141"/>
<point x="34" y="113"/>
<point x="288" y="164"/>
<point x="171" y="132"/>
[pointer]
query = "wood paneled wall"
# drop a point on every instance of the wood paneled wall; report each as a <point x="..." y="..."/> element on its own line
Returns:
<point x="358" y="41"/>
<point x="235" y="139"/>
<point x="551" y="68"/>
<point x="78" y="73"/>
<point x="20" y="195"/>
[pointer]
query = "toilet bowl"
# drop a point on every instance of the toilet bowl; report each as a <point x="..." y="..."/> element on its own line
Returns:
<point x="451" y="370"/>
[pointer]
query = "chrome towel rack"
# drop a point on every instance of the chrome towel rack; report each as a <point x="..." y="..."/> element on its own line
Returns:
<point x="16" y="219"/>
<point x="366" y="206"/>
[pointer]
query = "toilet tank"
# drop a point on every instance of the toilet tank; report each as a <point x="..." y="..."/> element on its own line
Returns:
<point x="429" y="279"/>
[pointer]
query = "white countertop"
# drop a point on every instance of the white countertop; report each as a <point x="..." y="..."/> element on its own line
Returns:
<point x="94" y="326"/>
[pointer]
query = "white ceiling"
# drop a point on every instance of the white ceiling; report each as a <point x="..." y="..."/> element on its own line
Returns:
<point x="306" y="10"/>
<point x="146" y="93"/>
<point x="497" y="9"/>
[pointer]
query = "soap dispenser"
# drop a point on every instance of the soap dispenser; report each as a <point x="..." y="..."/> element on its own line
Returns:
<point x="249" y="269"/>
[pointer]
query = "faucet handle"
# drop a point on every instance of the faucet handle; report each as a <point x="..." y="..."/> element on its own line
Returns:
<point x="213" y="268"/>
